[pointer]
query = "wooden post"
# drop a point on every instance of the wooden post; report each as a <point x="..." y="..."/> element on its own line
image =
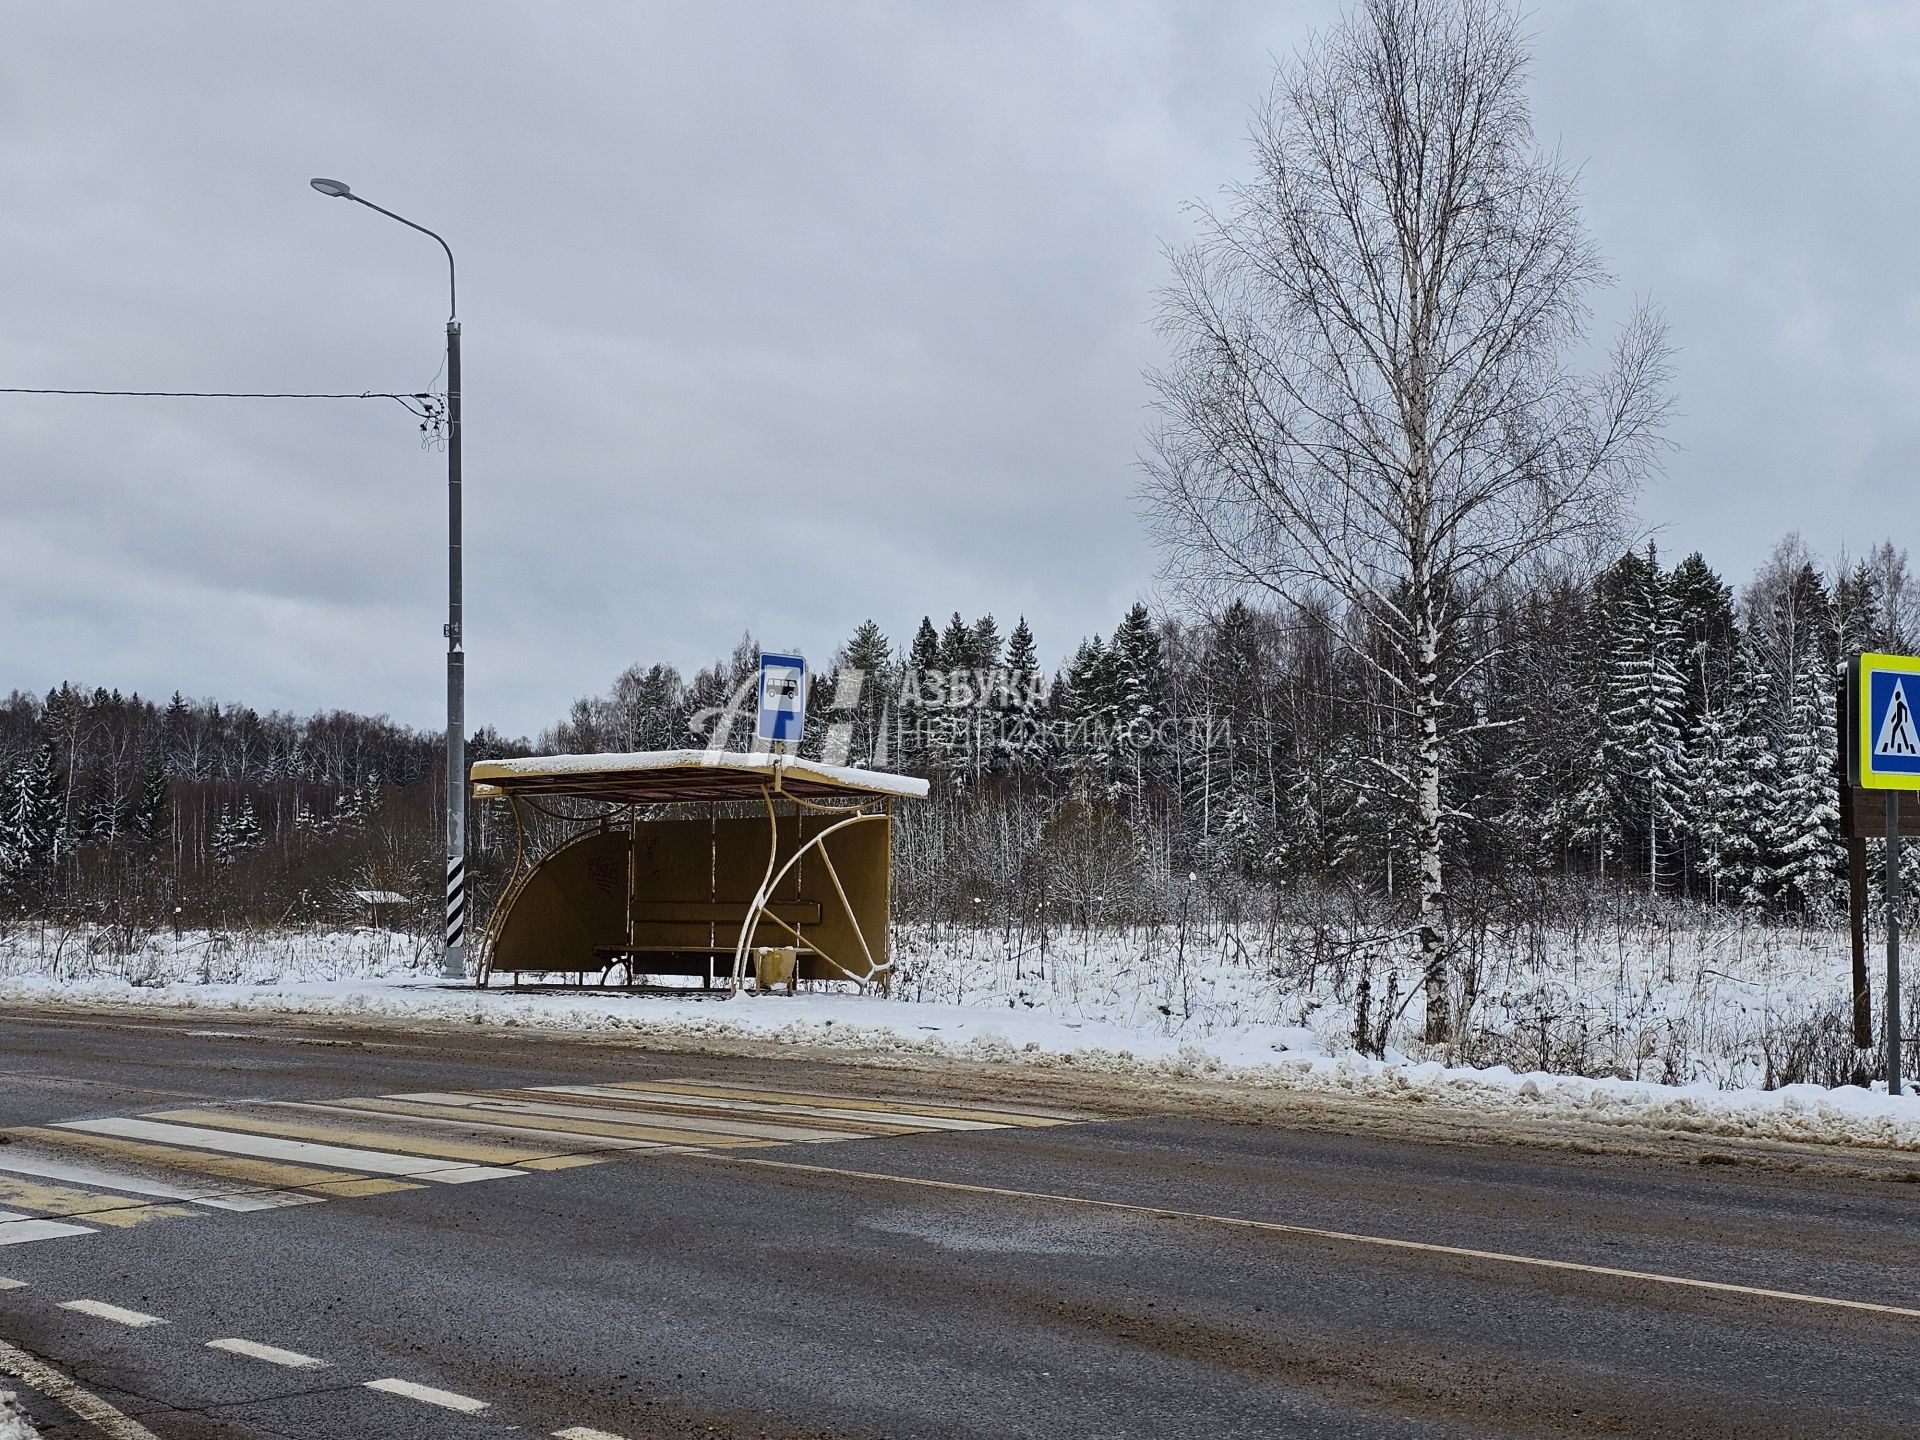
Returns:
<point x="1857" y="923"/>
<point x="1856" y="880"/>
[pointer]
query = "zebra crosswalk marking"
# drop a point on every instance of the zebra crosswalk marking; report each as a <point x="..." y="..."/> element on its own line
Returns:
<point x="867" y="1121"/>
<point x="576" y="1121"/>
<point x="63" y="1202"/>
<point x="343" y="1130"/>
<point x="526" y="1102"/>
<point x="272" y="1147"/>
<point x="247" y="1173"/>
<point x="982" y="1119"/>
<point x="13" y="1161"/>
<point x="864" y="1122"/>
<point x="601" y="1147"/>
<point x="266" y="1154"/>
<point x="354" y="1187"/>
<point x="18" y="1229"/>
<point x="574" y="1162"/>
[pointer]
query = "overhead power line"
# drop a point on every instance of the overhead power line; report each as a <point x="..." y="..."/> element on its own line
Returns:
<point x="224" y="394"/>
<point x="430" y="409"/>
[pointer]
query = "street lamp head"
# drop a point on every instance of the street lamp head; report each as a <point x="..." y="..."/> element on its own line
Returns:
<point x="336" y="188"/>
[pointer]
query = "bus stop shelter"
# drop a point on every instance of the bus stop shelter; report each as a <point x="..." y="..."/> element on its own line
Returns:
<point x="695" y="863"/>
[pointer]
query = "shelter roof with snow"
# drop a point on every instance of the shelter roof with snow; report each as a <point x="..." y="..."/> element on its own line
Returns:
<point x="651" y="777"/>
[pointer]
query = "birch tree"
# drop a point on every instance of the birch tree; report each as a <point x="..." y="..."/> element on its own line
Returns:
<point x="1374" y="395"/>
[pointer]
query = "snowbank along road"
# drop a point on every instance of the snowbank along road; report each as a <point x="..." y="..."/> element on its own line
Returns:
<point x="213" y="1229"/>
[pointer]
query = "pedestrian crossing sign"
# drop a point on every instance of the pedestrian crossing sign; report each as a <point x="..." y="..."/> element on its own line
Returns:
<point x="1885" y="734"/>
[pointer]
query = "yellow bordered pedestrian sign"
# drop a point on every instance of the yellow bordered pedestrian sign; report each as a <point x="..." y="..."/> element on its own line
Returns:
<point x="1884" y="733"/>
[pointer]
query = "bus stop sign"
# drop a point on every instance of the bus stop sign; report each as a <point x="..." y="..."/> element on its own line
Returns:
<point x="1885" y="734"/>
<point x="783" y="697"/>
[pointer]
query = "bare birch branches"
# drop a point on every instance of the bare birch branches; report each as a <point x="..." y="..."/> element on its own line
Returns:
<point x="1373" y="400"/>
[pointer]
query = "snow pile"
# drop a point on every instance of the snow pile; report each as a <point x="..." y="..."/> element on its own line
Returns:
<point x="1682" y="1028"/>
<point x="13" y="1424"/>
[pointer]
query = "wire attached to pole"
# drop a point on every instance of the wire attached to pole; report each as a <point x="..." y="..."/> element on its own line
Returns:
<point x="430" y="409"/>
<point x="222" y="394"/>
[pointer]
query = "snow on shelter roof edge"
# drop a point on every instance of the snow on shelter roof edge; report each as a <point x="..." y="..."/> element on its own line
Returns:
<point x="666" y="775"/>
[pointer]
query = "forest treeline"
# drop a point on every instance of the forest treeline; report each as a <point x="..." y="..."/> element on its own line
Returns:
<point x="123" y="810"/>
<point x="1647" y="728"/>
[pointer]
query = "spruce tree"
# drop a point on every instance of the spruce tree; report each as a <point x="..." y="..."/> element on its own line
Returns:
<point x="1703" y="610"/>
<point x="924" y="653"/>
<point x="957" y="645"/>
<point x="950" y="723"/>
<point x="984" y="642"/>
<point x="1022" y="664"/>
<point x="1089" y="705"/>
<point x="870" y="651"/>
<point x="34" y="825"/>
<point x="1803" y="836"/>
<point x="869" y="655"/>
<point x="923" y="701"/>
<point x="150" y="814"/>
<point x="222" y="844"/>
<point x="1139" y="698"/>
<point x="236" y="832"/>
<point x="1734" y="778"/>
<point x="1021" y="702"/>
<point x="1225" y="708"/>
<point x="1646" y="759"/>
<point x="247" y="832"/>
<point x="1139" y="669"/>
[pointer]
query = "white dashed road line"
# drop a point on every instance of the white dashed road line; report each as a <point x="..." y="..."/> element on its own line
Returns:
<point x="6" y="1284"/>
<point x="101" y="1310"/>
<point x="585" y="1432"/>
<point x="427" y="1395"/>
<point x="272" y="1354"/>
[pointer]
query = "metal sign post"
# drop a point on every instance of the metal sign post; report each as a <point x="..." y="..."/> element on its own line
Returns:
<point x="1883" y="744"/>
<point x="1893" y="942"/>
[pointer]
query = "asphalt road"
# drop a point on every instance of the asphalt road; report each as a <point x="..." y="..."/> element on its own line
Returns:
<point x="815" y="1267"/>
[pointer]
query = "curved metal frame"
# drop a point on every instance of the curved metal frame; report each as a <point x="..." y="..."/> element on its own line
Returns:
<point x="757" y="910"/>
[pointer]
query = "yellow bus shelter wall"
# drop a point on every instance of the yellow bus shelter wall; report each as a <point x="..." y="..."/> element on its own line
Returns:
<point x="573" y="903"/>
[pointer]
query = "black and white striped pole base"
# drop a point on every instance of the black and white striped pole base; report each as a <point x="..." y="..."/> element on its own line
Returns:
<point x="456" y="955"/>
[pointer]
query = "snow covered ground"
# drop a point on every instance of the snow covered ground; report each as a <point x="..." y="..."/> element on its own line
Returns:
<point x="13" y="1424"/>
<point x="1646" y="1027"/>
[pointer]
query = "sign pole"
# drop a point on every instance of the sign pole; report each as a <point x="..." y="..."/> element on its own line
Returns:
<point x="1893" y="942"/>
<point x="1850" y="827"/>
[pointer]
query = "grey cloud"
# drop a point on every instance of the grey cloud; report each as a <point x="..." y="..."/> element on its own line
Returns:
<point x="778" y="317"/>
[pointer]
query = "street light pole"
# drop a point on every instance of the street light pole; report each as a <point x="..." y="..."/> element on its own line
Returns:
<point x="453" y="962"/>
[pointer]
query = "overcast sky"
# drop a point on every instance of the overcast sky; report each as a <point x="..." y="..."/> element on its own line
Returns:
<point x="780" y="316"/>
